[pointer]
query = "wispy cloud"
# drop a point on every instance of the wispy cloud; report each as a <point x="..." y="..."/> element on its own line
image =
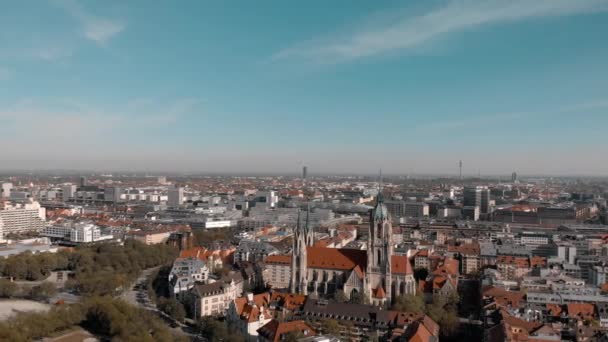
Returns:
<point x="490" y="120"/>
<point x="97" y="29"/>
<point x="409" y="32"/>
<point x="48" y="121"/>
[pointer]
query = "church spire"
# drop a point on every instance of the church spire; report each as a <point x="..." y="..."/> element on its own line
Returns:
<point x="380" y="197"/>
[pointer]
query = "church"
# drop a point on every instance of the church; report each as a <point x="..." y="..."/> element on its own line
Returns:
<point x="375" y="274"/>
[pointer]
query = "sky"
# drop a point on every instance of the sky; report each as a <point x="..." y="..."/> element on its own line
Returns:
<point x="350" y="86"/>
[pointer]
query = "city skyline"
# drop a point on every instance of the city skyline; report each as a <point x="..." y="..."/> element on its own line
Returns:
<point x="410" y="87"/>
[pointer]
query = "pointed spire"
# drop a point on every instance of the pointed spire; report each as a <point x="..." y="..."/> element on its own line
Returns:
<point x="380" y="198"/>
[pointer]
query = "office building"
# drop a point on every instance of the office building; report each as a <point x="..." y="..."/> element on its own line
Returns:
<point x="416" y="209"/>
<point x="567" y="252"/>
<point x="485" y="207"/>
<point x="472" y="196"/>
<point x="83" y="181"/>
<point x="112" y="194"/>
<point x="470" y="213"/>
<point x="175" y="197"/>
<point x="305" y="172"/>
<point x="21" y="218"/>
<point x="514" y="177"/>
<point x="477" y="196"/>
<point x="68" y="191"/>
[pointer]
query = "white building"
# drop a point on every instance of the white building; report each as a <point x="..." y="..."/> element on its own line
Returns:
<point x="21" y="218"/>
<point x="214" y="299"/>
<point x="5" y="190"/>
<point x="82" y="232"/>
<point x="566" y="252"/>
<point x="250" y="313"/>
<point x="185" y="273"/>
<point x="533" y="239"/>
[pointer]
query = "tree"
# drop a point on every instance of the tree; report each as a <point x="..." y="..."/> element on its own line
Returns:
<point x="340" y="297"/>
<point x="409" y="303"/>
<point x="214" y="330"/>
<point x="449" y="323"/>
<point x="44" y="291"/>
<point x="172" y="307"/>
<point x="331" y="327"/>
<point x="7" y="288"/>
<point x="292" y="336"/>
<point x="443" y="311"/>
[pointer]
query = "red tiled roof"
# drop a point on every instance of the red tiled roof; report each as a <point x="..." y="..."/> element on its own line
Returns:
<point x="581" y="310"/>
<point x="466" y="249"/>
<point x="554" y="309"/>
<point x="401" y="265"/>
<point x="289" y="301"/>
<point x="449" y="267"/>
<point x="274" y="330"/>
<point x="279" y="259"/>
<point x="379" y="293"/>
<point x="422" y="330"/>
<point x="505" y="298"/>
<point x="332" y="258"/>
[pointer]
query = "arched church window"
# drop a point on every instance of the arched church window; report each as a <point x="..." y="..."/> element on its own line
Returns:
<point x="379" y="231"/>
<point x="379" y="259"/>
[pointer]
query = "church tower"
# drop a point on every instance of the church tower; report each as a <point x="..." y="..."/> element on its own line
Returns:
<point x="303" y="236"/>
<point x="379" y="253"/>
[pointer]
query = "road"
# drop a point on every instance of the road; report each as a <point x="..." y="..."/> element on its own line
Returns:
<point x="138" y="295"/>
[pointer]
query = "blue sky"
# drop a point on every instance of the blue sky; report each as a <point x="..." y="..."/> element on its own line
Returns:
<point x="342" y="86"/>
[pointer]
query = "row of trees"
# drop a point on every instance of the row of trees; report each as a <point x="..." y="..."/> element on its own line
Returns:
<point x="34" y="267"/>
<point x="204" y="237"/>
<point x="102" y="316"/>
<point x="99" y="269"/>
<point x="443" y="310"/>
<point x="40" y="292"/>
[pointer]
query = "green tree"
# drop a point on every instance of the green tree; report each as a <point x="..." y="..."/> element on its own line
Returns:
<point x="340" y="297"/>
<point x="443" y="311"/>
<point x="44" y="291"/>
<point x="292" y="336"/>
<point x="172" y="307"/>
<point x="331" y="327"/>
<point x="409" y="303"/>
<point x="7" y="288"/>
<point x="214" y="330"/>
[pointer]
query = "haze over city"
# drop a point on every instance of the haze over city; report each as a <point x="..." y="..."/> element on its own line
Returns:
<point x="411" y="87"/>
